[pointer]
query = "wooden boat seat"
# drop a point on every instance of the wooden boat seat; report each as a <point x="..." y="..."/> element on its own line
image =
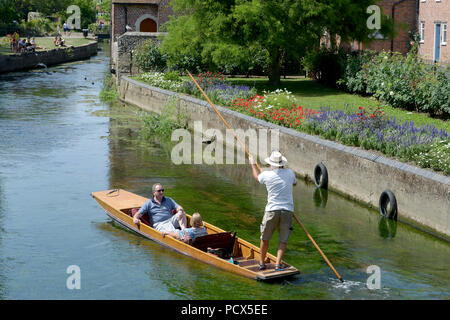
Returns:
<point x="221" y="240"/>
<point x="145" y="218"/>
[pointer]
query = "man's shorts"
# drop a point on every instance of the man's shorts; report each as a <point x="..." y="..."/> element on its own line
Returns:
<point x="170" y="224"/>
<point x="277" y="219"/>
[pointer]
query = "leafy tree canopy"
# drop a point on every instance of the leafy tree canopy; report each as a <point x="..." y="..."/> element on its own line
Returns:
<point x="231" y="32"/>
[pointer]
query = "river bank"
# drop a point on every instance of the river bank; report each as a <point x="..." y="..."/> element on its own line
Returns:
<point x="46" y="58"/>
<point x="422" y="196"/>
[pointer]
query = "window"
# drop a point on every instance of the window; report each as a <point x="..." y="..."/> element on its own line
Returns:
<point x="422" y="31"/>
<point x="444" y="34"/>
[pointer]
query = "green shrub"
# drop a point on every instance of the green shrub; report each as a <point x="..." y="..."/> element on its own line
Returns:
<point x="326" y="66"/>
<point x="165" y="123"/>
<point x="149" y="58"/>
<point x="404" y="82"/>
<point x="172" y="76"/>
<point x="109" y="90"/>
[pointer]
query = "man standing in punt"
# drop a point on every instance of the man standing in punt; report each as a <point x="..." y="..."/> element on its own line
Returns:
<point x="279" y="210"/>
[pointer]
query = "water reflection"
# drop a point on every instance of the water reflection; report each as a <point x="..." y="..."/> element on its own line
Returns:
<point x="320" y="197"/>
<point x="387" y="227"/>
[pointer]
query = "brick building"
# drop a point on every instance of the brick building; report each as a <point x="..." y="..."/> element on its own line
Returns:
<point x="136" y="16"/>
<point x="434" y="16"/>
<point x="405" y="13"/>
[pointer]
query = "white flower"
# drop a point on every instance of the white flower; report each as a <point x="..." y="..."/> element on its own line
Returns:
<point x="391" y="93"/>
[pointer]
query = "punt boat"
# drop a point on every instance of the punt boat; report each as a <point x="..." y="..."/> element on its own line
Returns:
<point x="236" y="255"/>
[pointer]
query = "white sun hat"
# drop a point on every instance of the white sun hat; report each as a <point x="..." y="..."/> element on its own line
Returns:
<point x="276" y="159"/>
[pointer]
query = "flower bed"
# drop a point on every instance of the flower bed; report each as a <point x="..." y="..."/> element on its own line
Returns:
<point x="215" y="86"/>
<point x="424" y="145"/>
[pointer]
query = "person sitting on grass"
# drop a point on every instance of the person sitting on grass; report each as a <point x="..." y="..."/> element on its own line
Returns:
<point x="22" y="45"/>
<point x="189" y="233"/>
<point x="28" y="46"/>
<point x="59" y="42"/>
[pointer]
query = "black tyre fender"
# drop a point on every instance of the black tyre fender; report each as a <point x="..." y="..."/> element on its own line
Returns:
<point x="388" y="197"/>
<point x="321" y="176"/>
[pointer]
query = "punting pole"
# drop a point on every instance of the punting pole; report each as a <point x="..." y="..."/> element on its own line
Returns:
<point x="260" y="170"/>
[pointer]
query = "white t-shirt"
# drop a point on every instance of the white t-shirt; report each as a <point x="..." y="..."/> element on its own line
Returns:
<point x="279" y="183"/>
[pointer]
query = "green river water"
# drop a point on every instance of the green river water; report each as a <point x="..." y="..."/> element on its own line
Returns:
<point x="59" y="143"/>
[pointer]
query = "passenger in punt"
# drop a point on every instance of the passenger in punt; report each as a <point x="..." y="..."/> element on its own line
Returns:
<point x="164" y="213"/>
<point x="279" y="210"/>
<point x="189" y="233"/>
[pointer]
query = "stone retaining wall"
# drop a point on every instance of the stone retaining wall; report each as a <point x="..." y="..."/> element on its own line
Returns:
<point x="26" y="61"/>
<point x="124" y="48"/>
<point x="423" y="197"/>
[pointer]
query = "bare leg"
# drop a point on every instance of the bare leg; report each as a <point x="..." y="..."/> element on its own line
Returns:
<point x="264" y="246"/>
<point x="182" y="221"/>
<point x="280" y="252"/>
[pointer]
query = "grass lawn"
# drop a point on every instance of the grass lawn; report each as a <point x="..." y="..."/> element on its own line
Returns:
<point x="312" y="95"/>
<point x="45" y="42"/>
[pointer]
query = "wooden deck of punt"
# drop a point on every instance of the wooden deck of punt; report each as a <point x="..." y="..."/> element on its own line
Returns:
<point x="118" y="203"/>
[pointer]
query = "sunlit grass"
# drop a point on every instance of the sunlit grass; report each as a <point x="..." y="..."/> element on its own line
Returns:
<point x="44" y="43"/>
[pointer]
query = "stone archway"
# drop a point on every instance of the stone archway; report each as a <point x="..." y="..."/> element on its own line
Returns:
<point x="147" y="23"/>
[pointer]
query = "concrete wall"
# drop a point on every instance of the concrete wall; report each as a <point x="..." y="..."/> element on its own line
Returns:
<point x="25" y="61"/>
<point x="423" y="197"/>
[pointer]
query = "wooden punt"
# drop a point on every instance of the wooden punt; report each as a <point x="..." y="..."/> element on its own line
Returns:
<point x="118" y="204"/>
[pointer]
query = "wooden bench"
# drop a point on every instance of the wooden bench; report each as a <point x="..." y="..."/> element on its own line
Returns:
<point x="144" y="218"/>
<point x="222" y="240"/>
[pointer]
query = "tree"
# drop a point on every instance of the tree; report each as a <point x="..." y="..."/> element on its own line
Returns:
<point x="8" y="11"/>
<point x="231" y="31"/>
<point x="88" y="13"/>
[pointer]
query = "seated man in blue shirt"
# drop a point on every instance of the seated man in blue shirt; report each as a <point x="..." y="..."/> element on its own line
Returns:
<point x="160" y="211"/>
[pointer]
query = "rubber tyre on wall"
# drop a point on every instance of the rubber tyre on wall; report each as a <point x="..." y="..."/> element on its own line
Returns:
<point x="321" y="176"/>
<point x="388" y="197"/>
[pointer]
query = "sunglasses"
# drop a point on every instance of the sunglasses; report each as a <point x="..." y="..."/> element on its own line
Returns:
<point x="160" y="190"/>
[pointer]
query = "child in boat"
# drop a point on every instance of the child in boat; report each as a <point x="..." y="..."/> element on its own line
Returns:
<point x="189" y="233"/>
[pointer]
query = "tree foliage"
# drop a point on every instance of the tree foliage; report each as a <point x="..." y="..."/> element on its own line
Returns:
<point x="234" y="32"/>
<point x="18" y="9"/>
